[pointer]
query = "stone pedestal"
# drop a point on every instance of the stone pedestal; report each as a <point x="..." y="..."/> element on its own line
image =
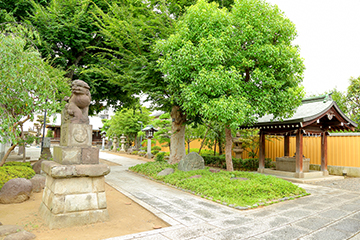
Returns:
<point x="75" y="185"/>
<point x="288" y="164"/>
<point x="73" y="194"/>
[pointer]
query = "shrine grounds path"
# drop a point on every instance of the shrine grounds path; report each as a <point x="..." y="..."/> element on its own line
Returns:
<point x="332" y="211"/>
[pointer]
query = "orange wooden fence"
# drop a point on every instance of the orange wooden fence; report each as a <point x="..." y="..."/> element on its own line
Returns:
<point x="343" y="149"/>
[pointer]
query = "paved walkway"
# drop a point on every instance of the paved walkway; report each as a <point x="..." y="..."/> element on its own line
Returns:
<point x="327" y="213"/>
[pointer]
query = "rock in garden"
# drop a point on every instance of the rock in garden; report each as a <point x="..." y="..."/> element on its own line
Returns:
<point x="37" y="166"/>
<point x="23" y="235"/>
<point x="9" y="229"/>
<point x="192" y="161"/>
<point x="196" y="176"/>
<point x="238" y="178"/>
<point x="166" y="171"/>
<point x="15" y="191"/>
<point x="38" y="183"/>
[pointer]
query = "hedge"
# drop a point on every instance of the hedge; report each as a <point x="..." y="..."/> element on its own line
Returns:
<point x="239" y="164"/>
<point x="15" y="171"/>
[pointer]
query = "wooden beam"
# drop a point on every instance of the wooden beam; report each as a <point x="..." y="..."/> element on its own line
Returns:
<point x="299" y="154"/>
<point x="262" y="152"/>
<point x="286" y="145"/>
<point x="324" y="154"/>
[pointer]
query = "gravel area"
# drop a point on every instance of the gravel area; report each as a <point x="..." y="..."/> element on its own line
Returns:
<point x="349" y="183"/>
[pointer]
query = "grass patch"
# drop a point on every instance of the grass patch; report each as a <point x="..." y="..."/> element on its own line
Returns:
<point x="257" y="189"/>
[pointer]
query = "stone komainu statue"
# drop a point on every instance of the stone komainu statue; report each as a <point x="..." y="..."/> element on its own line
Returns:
<point x="77" y="108"/>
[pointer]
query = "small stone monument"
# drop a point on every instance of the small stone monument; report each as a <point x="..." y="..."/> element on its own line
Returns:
<point x="237" y="149"/>
<point x="114" y="144"/>
<point x="74" y="191"/>
<point x="122" y="141"/>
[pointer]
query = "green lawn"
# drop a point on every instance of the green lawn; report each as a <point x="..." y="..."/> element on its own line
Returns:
<point x="257" y="189"/>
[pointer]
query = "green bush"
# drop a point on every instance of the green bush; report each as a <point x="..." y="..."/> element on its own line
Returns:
<point x="141" y="153"/>
<point x="160" y="157"/>
<point x="10" y="172"/>
<point x="203" y="151"/>
<point x="238" y="163"/>
<point x="135" y="152"/>
<point x="154" y="152"/>
<point x="156" y="148"/>
<point x="22" y="164"/>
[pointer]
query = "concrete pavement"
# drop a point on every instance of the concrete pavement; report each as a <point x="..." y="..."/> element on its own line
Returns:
<point x="327" y="213"/>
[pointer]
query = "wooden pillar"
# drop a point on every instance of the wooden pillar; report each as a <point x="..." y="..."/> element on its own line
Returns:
<point x="286" y="145"/>
<point x="299" y="154"/>
<point x="261" y="152"/>
<point x="324" y="154"/>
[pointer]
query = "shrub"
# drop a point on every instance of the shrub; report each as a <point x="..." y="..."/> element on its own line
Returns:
<point x="135" y="152"/>
<point x="156" y="148"/>
<point x="160" y="157"/>
<point x="22" y="164"/>
<point x="141" y="153"/>
<point x="202" y="152"/>
<point x="10" y="172"/>
<point x="154" y="152"/>
<point x="239" y="164"/>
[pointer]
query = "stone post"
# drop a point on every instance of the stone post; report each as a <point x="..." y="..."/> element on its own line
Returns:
<point x="149" y="148"/>
<point x="114" y="144"/>
<point x="122" y="141"/>
<point x="74" y="191"/>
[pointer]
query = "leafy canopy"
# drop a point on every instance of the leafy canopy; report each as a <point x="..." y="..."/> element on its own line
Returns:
<point x="28" y="83"/>
<point x="232" y="67"/>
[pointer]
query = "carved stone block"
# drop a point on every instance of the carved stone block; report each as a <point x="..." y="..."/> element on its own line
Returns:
<point x="76" y="135"/>
<point x="89" y="155"/>
<point x="67" y="155"/>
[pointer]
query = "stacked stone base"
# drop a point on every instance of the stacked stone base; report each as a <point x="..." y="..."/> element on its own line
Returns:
<point x="74" y="194"/>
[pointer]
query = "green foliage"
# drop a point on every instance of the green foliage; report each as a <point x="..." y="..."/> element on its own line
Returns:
<point x="21" y="164"/>
<point x="232" y="83"/>
<point x="353" y="97"/>
<point x="203" y="151"/>
<point x="50" y="133"/>
<point x="160" y="157"/>
<point x="134" y="152"/>
<point x="156" y="148"/>
<point x="28" y="83"/>
<point x="220" y="187"/>
<point x="15" y="171"/>
<point x="249" y="164"/>
<point x="154" y="152"/>
<point x="163" y="124"/>
<point x="126" y="122"/>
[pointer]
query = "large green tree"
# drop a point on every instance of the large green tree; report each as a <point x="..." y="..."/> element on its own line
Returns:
<point x="28" y="84"/>
<point x="231" y="67"/>
<point x="126" y="122"/>
<point x="353" y="97"/>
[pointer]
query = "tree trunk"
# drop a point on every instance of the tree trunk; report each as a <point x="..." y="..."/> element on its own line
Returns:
<point x="188" y="145"/>
<point x="3" y="160"/>
<point x="177" y="147"/>
<point x="220" y="148"/>
<point x="215" y="147"/>
<point x="228" y="147"/>
<point x="202" y="143"/>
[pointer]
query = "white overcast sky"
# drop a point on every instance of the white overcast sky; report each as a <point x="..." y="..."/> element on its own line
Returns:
<point x="329" y="40"/>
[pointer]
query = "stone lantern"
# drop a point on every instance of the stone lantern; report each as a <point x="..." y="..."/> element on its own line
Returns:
<point x="122" y="141"/>
<point x="149" y="132"/>
<point x="114" y="144"/>
<point x="103" y="136"/>
<point x="237" y="149"/>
